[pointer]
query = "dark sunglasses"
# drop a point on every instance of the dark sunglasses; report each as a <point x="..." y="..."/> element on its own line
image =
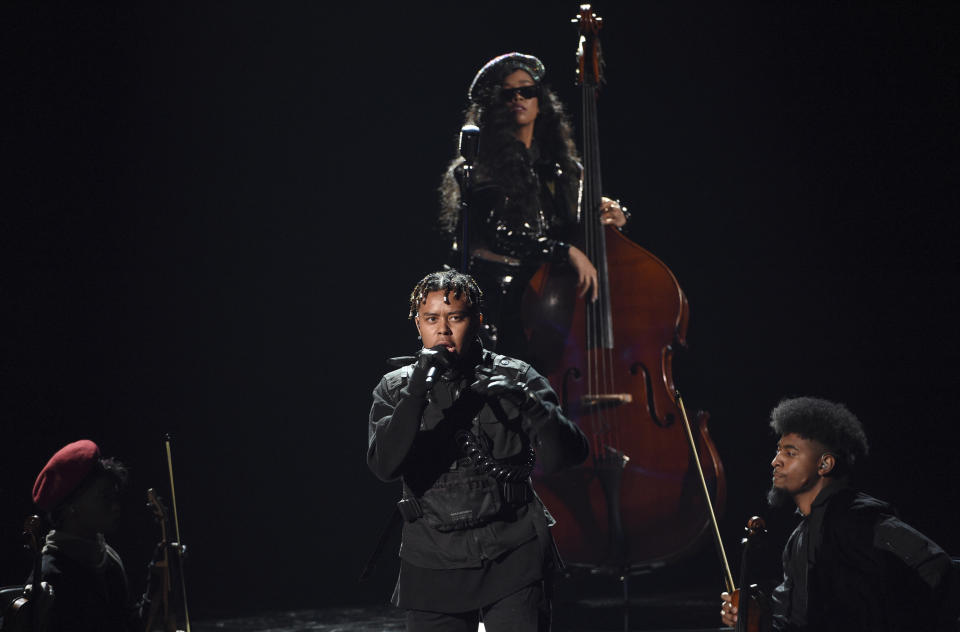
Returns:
<point x="527" y="92"/>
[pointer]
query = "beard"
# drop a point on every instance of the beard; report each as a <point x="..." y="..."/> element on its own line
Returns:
<point x="778" y="497"/>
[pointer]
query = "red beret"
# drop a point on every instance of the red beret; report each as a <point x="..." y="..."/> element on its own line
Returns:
<point x="64" y="472"/>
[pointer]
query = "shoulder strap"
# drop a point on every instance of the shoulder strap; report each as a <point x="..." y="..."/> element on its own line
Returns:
<point x="393" y="522"/>
<point x="511" y="367"/>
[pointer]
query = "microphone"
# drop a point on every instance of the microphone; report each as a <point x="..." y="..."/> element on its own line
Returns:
<point x="400" y="361"/>
<point x="469" y="143"/>
<point x="431" y="376"/>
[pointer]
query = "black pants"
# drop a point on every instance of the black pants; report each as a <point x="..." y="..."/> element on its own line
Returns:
<point x="527" y="610"/>
<point x="503" y="289"/>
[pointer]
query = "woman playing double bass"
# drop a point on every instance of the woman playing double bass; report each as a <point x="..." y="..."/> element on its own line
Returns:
<point x="607" y="352"/>
<point x="524" y="199"/>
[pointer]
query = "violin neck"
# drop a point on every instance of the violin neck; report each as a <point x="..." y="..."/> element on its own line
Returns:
<point x="744" y="604"/>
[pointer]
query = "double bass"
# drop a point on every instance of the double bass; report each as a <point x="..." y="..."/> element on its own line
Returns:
<point x="635" y="503"/>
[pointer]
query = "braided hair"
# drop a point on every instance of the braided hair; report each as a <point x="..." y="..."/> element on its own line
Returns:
<point x="447" y="281"/>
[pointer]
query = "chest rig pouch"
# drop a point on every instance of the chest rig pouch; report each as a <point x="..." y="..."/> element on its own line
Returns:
<point x="461" y="500"/>
<point x="477" y="488"/>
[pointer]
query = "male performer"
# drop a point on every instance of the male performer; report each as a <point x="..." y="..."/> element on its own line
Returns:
<point x="80" y="491"/>
<point x="850" y="564"/>
<point x="463" y="428"/>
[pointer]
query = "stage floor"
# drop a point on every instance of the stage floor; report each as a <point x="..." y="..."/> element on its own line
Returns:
<point x="673" y="612"/>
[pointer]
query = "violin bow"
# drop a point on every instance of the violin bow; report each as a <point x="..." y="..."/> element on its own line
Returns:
<point x="176" y="530"/>
<point x="728" y="575"/>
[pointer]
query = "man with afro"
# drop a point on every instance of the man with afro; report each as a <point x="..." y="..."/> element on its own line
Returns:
<point x="851" y="564"/>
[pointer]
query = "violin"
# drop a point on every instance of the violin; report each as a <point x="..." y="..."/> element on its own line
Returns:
<point x="26" y="613"/>
<point x="754" y="615"/>
<point x="167" y="565"/>
<point x="753" y="612"/>
<point x="160" y="610"/>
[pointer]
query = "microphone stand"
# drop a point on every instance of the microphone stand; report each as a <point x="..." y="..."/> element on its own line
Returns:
<point x="469" y="141"/>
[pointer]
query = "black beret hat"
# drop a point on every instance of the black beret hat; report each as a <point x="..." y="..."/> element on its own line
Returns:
<point x="499" y="67"/>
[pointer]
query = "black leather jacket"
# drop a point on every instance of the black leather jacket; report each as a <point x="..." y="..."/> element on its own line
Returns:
<point x="413" y="438"/>
<point x="852" y="565"/>
<point x="533" y="226"/>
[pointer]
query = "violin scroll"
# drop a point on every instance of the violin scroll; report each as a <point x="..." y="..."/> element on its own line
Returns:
<point x="589" y="55"/>
<point x="754" y="611"/>
<point x="755" y="526"/>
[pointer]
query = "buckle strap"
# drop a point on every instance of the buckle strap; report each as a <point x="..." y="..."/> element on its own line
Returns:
<point x="410" y="509"/>
<point x="517" y="494"/>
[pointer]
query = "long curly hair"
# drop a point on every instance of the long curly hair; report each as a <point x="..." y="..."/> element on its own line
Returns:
<point x="500" y="159"/>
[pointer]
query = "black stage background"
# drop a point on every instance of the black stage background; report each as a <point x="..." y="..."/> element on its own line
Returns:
<point x="213" y="214"/>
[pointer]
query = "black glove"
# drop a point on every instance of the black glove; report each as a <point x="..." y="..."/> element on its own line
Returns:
<point x="429" y="362"/>
<point x="490" y="384"/>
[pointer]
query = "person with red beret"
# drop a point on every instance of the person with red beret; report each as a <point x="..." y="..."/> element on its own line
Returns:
<point x="80" y="493"/>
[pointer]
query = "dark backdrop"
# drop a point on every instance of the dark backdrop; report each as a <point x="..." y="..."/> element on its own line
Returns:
<point x="213" y="214"/>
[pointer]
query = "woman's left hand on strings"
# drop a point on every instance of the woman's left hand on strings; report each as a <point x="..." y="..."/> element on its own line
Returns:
<point x="612" y="213"/>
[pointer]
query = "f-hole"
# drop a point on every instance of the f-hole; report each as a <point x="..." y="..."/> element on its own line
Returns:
<point x="668" y="419"/>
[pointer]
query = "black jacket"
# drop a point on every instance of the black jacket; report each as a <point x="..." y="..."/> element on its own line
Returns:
<point x="852" y="565"/>
<point x="86" y="598"/>
<point x="533" y="225"/>
<point x="413" y="438"/>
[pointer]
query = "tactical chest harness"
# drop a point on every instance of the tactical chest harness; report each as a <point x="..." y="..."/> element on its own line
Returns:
<point x="478" y="488"/>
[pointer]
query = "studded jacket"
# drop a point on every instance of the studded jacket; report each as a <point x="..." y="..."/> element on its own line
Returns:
<point x="534" y="227"/>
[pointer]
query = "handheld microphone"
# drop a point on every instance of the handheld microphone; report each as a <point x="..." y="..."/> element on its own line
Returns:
<point x="431" y="374"/>
<point x="400" y="361"/>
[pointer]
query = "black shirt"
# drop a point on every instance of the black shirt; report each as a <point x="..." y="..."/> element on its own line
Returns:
<point x="88" y="598"/>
